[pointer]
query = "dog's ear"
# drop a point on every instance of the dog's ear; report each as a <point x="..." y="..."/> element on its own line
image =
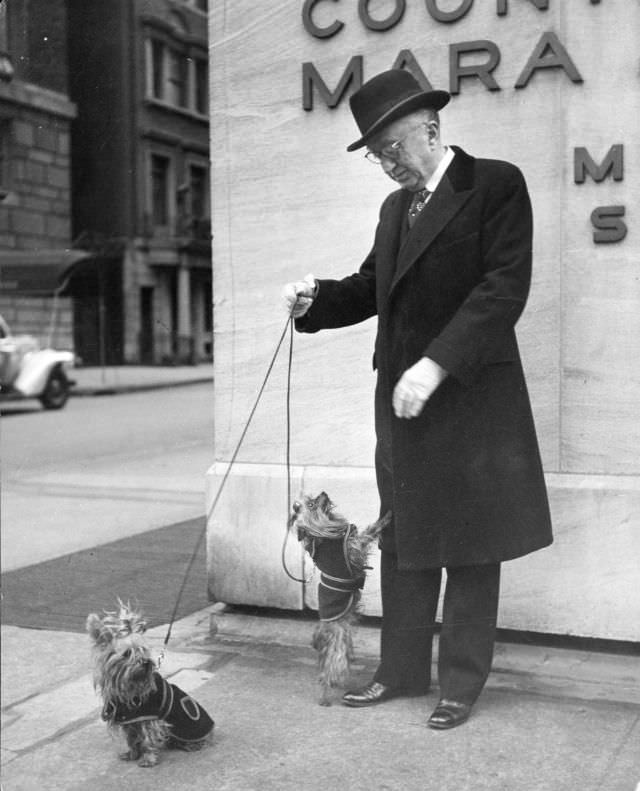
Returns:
<point x="97" y="631"/>
<point x="323" y="502"/>
<point x="131" y="621"/>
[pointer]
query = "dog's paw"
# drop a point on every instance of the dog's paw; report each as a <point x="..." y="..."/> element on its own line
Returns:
<point x="191" y="747"/>
<point x="148" y="760"/>
<point x="325" y="695"/>
<point x="129" y="755"/>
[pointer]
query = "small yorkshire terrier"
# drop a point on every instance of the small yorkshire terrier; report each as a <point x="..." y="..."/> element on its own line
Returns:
<point x="151" y="712"/>
<point x="340" y="553"/>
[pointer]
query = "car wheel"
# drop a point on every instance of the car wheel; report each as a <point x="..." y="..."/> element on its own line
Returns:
<point x="56" y="391"/>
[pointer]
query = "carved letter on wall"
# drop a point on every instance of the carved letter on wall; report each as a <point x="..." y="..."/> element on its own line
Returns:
<point x="311" y="27"/>
<point x="406" y="60"/>
<point x="502" y="6"/>
<point x="609" y="227"/>
<point x="612" y="164"/>
<point x="480" y="70"/>
<point x="548" y="54"/>
<point x="448" y="16"/>
<point x="310" y="77"/>
<point x="383" y="24"/>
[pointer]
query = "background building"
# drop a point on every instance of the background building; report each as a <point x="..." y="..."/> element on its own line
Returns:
<point x="35" y="196"/>
<point x="549" y="85"/>
<point x="140" y="146"/>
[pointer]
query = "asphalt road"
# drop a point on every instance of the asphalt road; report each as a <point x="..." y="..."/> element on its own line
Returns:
<point x="101" y="469"/>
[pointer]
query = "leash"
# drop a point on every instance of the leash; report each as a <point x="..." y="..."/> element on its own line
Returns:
<point x="194" y="555"/>
<point x="289" y="521"/>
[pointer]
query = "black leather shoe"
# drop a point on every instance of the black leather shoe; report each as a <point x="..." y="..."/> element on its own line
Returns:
<point x="448" y="714"/>
<point x="373" y="693"/>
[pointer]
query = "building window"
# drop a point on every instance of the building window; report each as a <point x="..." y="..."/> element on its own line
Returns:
<point x="201" y="69"/>
<point x="198" y="184"/>
<point x="156" y="68"/>
<point x="5" y="131"/>
<point x="160" y="189"/>
<point x="175" y="78"/>
<point x="178" y="74"/>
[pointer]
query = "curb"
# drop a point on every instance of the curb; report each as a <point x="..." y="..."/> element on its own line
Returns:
<point x="562" y="673"/>
<point x="86" y="391"/>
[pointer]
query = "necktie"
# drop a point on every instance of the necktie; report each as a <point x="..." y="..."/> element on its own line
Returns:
<point x="417" y="205"/>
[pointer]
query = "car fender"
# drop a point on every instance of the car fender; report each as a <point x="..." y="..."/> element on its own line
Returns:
<point x="36" y="368"/>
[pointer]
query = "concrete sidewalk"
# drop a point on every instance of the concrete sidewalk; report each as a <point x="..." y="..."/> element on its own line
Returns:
<point x="113" y="379"/>
<point x="549" y="719"/>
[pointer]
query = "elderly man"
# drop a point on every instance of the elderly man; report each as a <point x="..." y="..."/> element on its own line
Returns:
<point x="457" y="458"/>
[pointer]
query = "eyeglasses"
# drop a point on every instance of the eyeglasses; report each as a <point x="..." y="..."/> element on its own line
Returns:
<point x="393" y="150"/>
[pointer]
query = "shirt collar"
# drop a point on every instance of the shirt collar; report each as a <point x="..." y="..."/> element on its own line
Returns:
<point x="439" y="172"/>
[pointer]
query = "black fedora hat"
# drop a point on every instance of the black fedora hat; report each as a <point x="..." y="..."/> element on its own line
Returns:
<point x="387" y="97"/>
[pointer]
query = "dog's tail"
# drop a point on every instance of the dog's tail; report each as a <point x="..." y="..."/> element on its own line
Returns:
<point x="360" y="547"/>
<point x="373" y="531"/>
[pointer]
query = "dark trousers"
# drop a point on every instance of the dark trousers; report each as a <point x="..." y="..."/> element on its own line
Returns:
<point x="409" y="604"/>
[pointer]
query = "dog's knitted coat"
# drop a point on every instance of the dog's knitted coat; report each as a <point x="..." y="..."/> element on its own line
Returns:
<point x="338" y="583"/>
<point x="189" y="721"/>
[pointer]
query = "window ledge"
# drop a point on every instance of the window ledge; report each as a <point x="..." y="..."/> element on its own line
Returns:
<point x="173" y="108"/>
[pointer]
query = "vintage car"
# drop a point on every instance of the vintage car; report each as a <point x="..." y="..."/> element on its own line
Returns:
<point x="28" y="371"/>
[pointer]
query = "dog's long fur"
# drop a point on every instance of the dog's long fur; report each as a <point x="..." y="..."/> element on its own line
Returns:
<point x="125" y="675"/>
<point x="315" y="520"/>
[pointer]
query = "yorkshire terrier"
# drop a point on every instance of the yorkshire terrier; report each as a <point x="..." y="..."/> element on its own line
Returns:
<point x="340" y="553"/>
<point x="151" y="712"/>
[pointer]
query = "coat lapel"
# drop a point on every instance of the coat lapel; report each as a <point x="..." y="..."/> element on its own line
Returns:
<point x="443" y="206"/>
<point x="390" y="237"/>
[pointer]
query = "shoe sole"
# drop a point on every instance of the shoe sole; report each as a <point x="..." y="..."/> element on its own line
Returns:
<point x="363" y="705"/>
<point x="442" y="727"/>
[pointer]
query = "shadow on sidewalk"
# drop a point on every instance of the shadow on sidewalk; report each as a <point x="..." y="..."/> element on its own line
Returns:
<point x="146" y="569"/>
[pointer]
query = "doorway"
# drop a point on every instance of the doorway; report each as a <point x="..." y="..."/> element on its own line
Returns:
<point x="146" y="326"/>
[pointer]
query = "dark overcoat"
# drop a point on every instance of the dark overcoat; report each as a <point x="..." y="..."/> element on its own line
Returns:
<point x="464" y="479"/>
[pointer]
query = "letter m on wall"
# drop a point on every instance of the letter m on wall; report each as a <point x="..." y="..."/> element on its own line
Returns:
<point x="311" y="78"/>
<point x="612" y="164"/>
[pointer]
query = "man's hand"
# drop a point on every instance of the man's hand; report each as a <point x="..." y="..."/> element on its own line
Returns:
<point x="299" y="296"/>
<point x="415" y="387"/>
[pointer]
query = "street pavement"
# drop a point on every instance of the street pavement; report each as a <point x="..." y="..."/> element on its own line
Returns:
<point x="550" y="719"/>
<point x="134" y="378"/>
<point x="103" y="467"/>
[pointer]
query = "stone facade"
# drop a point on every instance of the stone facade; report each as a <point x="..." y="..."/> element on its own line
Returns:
<point x="140" y="149"/>
<point x="38" y="211"/>
<point x="35" y="125"/>
<point x="549" y="86"/>
<point x="33" y="316"/>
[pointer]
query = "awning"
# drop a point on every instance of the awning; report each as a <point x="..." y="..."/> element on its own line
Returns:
<point x="38" y="272"/>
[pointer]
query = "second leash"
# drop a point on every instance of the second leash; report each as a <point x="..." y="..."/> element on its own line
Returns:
<point x="288" y="326"/>
<point x="283" y="558"/>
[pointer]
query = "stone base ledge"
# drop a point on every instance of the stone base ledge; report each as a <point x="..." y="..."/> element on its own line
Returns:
<point x="584" y="585"/>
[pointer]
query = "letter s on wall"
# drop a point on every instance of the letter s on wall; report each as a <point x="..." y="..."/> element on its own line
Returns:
<point x="608" y="225"/>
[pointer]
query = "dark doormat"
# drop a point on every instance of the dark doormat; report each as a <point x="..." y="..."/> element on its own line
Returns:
<point x="146" y="569"/>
